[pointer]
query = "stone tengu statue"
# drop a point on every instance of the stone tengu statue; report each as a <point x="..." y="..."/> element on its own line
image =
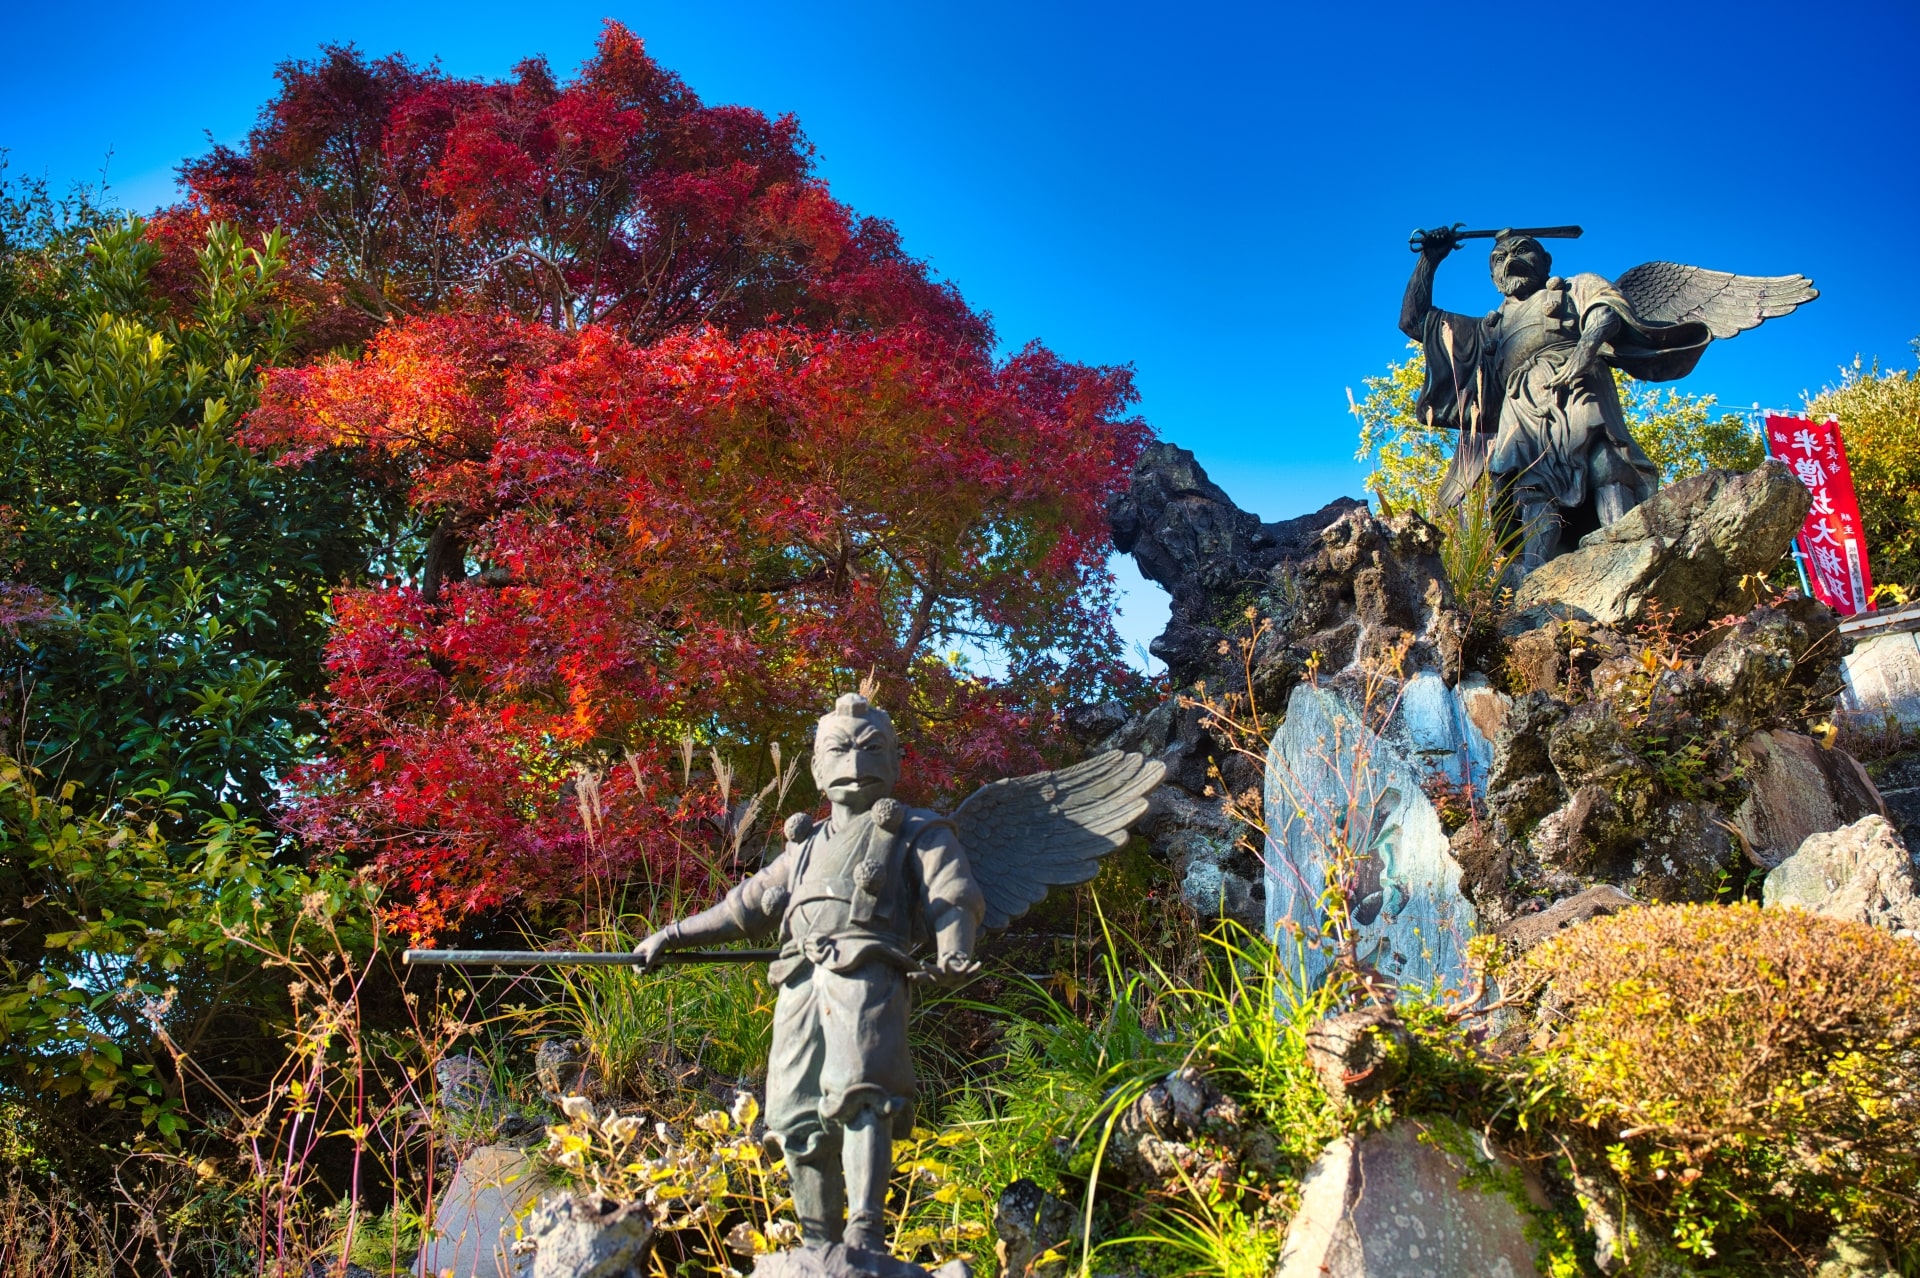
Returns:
<point x="1529" y="387"/>
<point x="851" y="901"/>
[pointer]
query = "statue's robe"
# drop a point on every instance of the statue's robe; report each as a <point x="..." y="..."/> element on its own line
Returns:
<point x="1488" y="379"/>
<point x="846" y="935"/>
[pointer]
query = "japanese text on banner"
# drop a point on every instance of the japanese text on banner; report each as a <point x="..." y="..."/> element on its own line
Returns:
<point x="1832" y="549"/>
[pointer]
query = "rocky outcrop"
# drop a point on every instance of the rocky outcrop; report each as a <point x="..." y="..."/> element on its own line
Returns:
<point x="1623" y="730"/>
<point x="1217" y="562"/>
<point x="1421" y="1197"/>
<point x="1862" y="872"/>
<point x="1658" y="763"/>
<point x="1686" y="551"/>
<point x="1213" y="558"/>
<point x="1185" y="1131"/>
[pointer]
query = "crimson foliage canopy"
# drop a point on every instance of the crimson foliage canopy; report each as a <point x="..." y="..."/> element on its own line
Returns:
<point x="617" y="198"/>
<point x="697" y="447"/>
<point x="705" y="535"/>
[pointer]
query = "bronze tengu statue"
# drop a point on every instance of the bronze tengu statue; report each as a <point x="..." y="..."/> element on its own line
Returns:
<point x="855" y="903"/>
<point x="1529" y="386"/>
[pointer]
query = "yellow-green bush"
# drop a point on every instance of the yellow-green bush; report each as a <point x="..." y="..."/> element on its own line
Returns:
<point x="1743" y="1069"/>
<point x="1879" y="412"/>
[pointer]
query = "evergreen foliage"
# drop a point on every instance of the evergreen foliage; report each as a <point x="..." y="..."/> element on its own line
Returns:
<point x="1879" y="412"/>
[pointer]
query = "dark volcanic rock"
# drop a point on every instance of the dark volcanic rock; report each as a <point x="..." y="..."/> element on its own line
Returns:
<point x="1212" y="557"/>
<point x="1359" y="1054"/>
<point x="1529" y="930"/>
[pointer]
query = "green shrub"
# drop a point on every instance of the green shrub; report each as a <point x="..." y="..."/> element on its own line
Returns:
<point x="1751" y="1075"/>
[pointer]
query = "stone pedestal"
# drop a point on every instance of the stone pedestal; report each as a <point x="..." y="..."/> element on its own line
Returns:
<point x="837" y="1261"/>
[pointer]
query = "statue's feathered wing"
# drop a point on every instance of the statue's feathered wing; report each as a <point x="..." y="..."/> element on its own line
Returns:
<point x="1671" y="293"/>
<point x="1027" y="834"/>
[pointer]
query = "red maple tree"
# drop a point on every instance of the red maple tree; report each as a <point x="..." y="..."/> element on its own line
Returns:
<point x="706" y="535"/>
<point x="617" y="198"/>
<point x="691" y="448"/>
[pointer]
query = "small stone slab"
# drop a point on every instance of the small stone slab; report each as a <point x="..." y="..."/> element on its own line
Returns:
<point x="1883" y="679"/>
<point x="1395" y="1205"/>
<point x="473" y="1221"/>
<point x="1529" y="930"/>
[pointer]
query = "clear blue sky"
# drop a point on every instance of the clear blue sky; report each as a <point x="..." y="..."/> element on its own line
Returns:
<point x="1219" y="195"/>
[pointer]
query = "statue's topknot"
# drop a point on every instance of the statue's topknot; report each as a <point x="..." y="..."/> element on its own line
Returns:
<point x="858" y="707"/>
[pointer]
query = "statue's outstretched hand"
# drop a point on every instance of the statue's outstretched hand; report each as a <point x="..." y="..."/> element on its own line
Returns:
<point x="655" y="945"/>
<point x="955" y="967"/>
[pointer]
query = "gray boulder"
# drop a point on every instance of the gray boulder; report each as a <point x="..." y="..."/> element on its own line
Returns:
<point x="1863" y="873"/>
<point x="1034" y="1228"/>
<point x="1685" y="550"/>
<point x="1184" y="1130"/>
<point x="589" y="1237"/>
<point x="1798" y="788"/>
<point x="1417" y="1200"/>
<point x="472" y="1234"/>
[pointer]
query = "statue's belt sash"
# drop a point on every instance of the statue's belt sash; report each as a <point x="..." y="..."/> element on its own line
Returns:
<point x="839" y="952"/>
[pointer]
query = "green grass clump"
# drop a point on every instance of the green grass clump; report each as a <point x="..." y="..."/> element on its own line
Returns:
<point x="717" y="1017"/>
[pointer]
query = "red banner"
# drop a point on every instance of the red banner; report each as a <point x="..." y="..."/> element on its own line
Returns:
<point x="1832" y="549"/>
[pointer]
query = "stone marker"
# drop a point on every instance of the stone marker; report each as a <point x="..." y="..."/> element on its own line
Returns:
<point x="1883" y="670"/>
<point x="473" y="1221"/>
<point x="1331" y="775"/>
<point x="1395" y="1204"/>
<point x="1863" y="873"/>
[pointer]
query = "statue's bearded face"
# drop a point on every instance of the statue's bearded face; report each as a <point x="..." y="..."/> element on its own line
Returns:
<point x="856" y="758"/>
<point x="1520" y="267"/>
